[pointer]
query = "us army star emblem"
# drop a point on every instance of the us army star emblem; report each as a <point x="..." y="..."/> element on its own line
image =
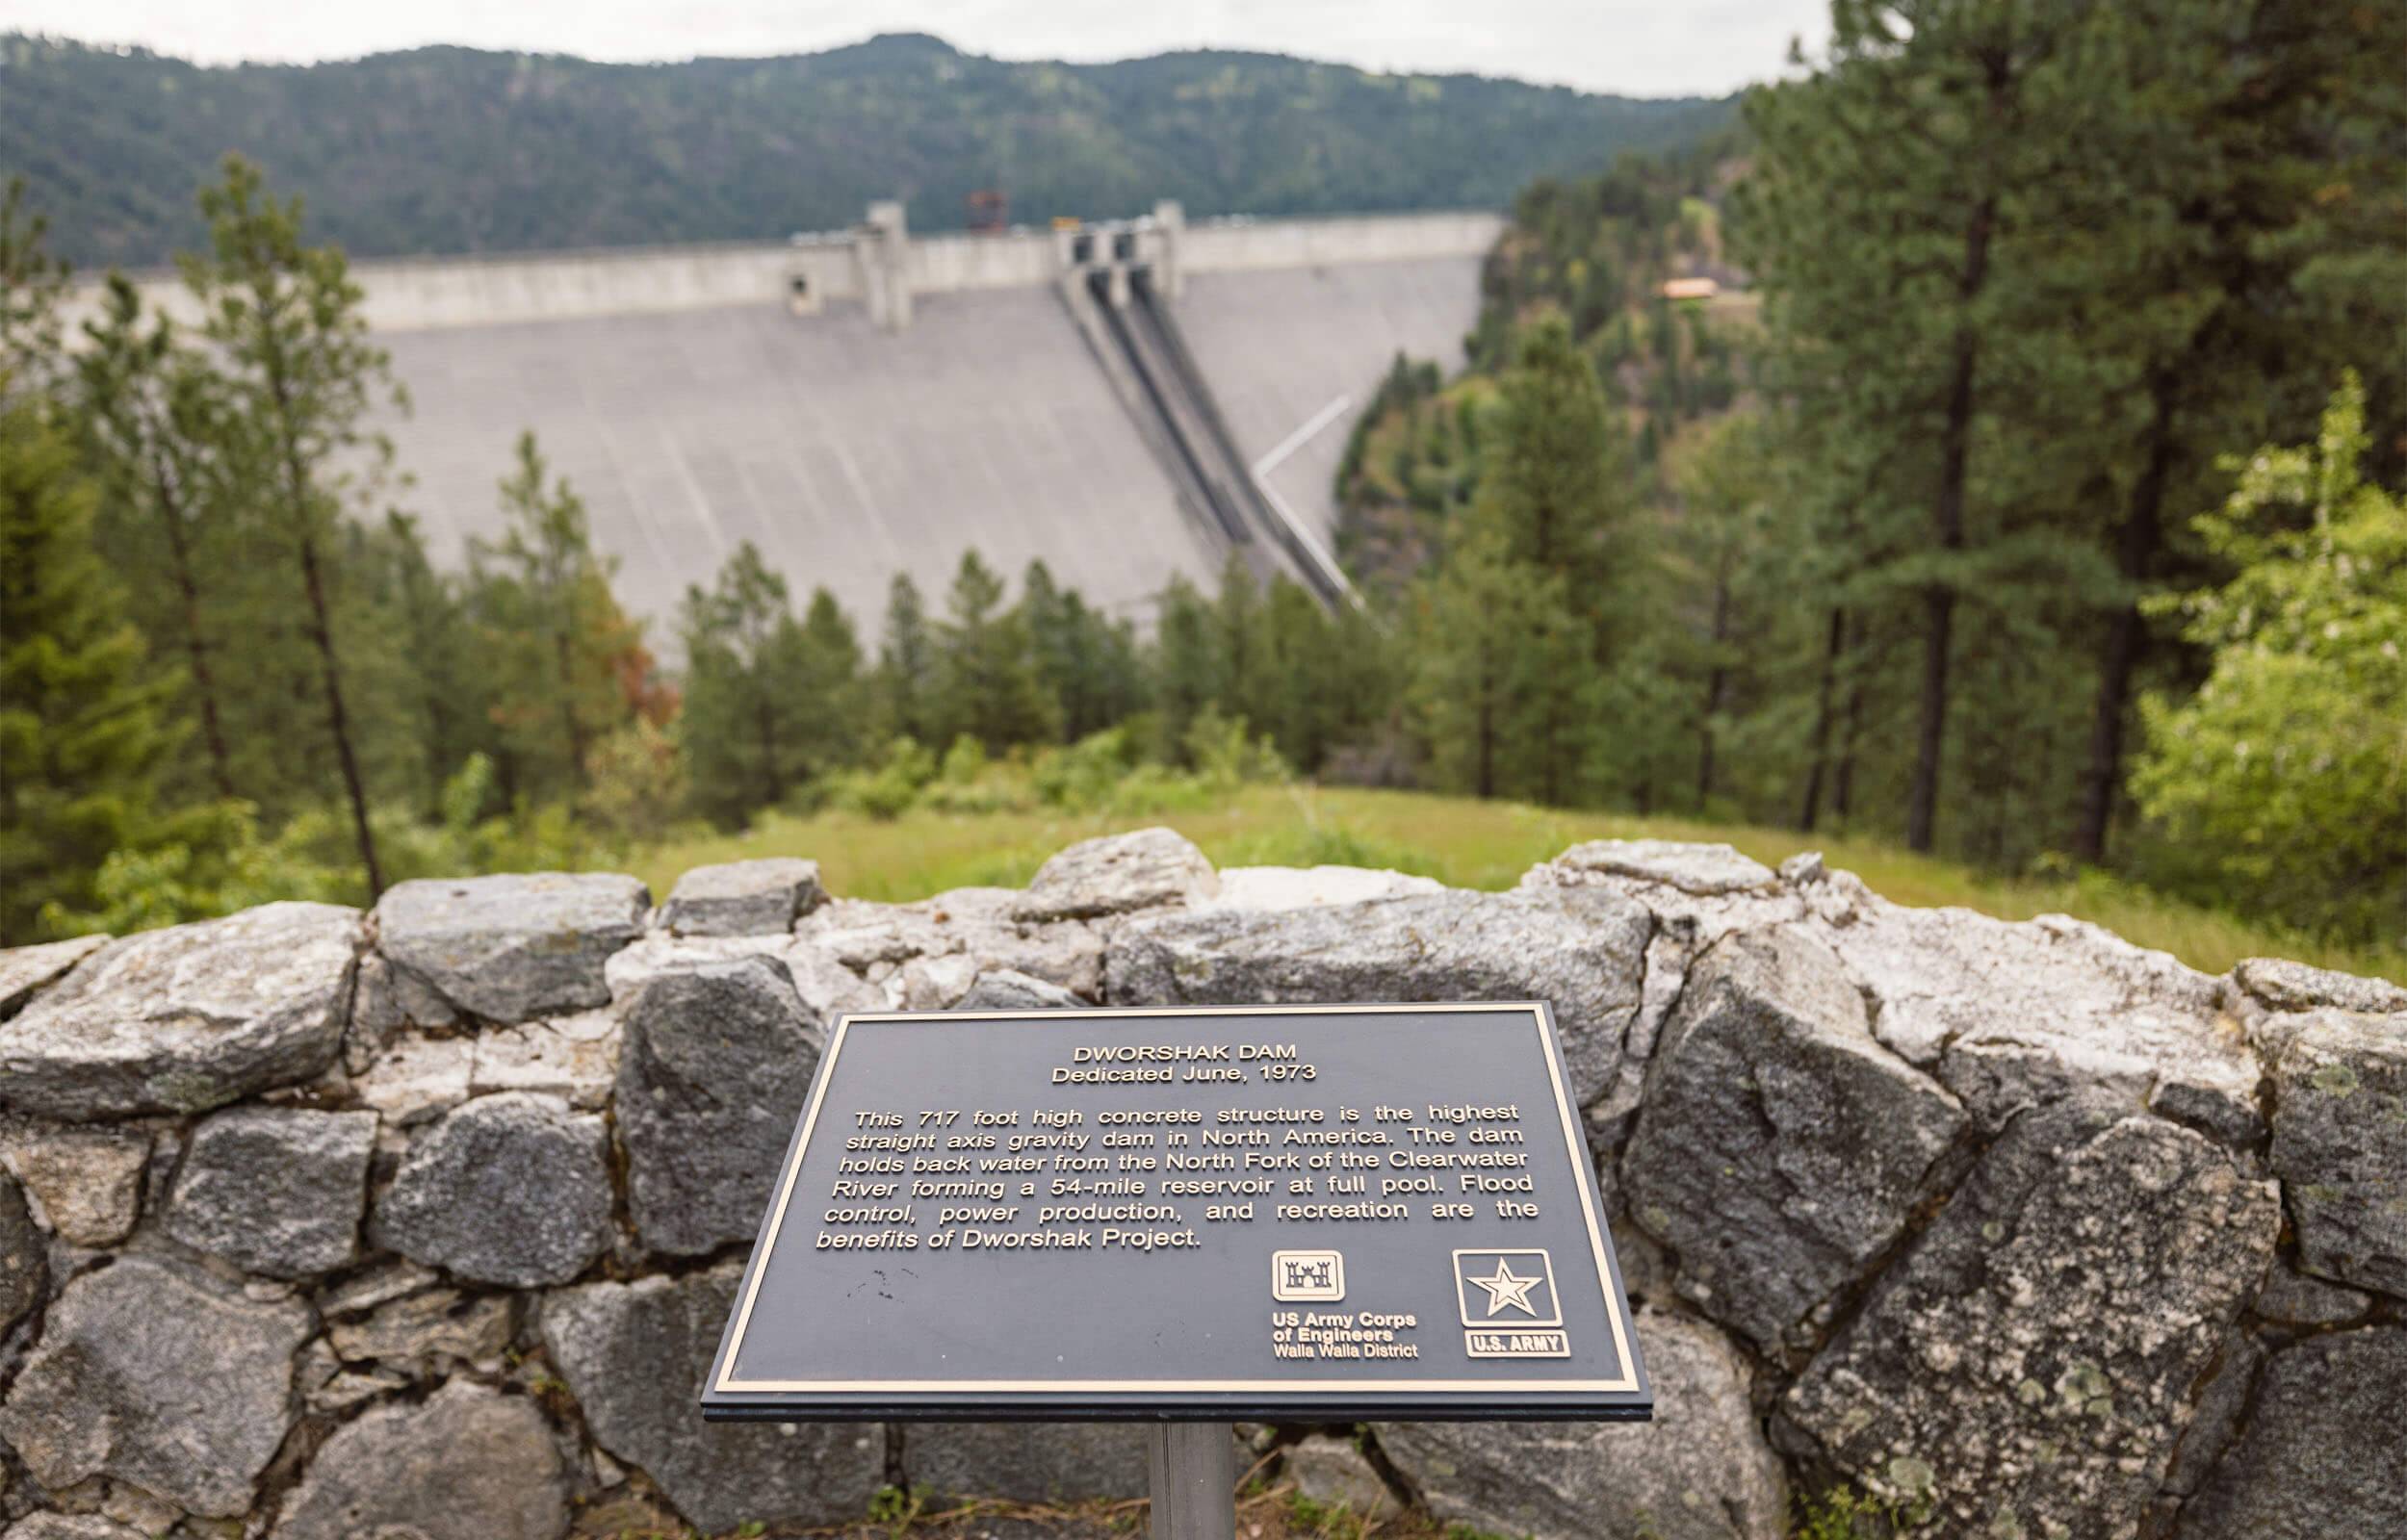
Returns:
<point x="1504" y="1289"/>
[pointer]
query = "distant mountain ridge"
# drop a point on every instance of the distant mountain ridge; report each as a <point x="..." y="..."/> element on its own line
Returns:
<point x="446" y="149"/>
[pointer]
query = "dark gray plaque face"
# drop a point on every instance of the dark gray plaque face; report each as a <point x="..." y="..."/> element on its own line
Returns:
<point x="1326" y="1212"/>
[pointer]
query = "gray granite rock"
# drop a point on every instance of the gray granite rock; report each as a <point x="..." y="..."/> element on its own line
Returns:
<point x="24" y="969"/>
<point x="1005" y="989"/>
<point x="1333" y="1472"/>
<point x="186" y="1019"/>
<point x="827" y="986"/>
<point x="573" y="1058"/>
<point x="2340" y="1146"/>
<point x="25" y="1260"/>
<point x="157" y="1376"/>
<point x="2300" y="1301"/>
<point x="1707" y="871"/>
<point x="934" y="982"/>
<point x="1027" y="1462"/>
<point x="2026" y="1366"/>
<point x="384" y="1001"/>
<point x="714" y="1069"/>
<point x="469" y="1464"/>
<point x="635" y="1356"/>
<point x="372" y="1286"/>
<point x="417" y="1080"/>
<point x="2010" y="1015"/>
<point x="275" y="1190"/>
<point x="1696" y="894"/>
<point x="1780" y="1148"/>
<point x="512" y="1190"/>
<point x="968" y="931"/>
<point x="2222" y="1402"/>
<point x="743" y="898"/>
<point x="1311" y="887"/>
<point x="1583" y="950"/>
<point x="1701" y="1470"/>
<point x="2322" y="1456"/>
<point x="68" y="1526"/>
<point x="86" y="1182"/>
<point x="2281" y="985"/>
<point x="1117" y="874"/>
<point x="438" y="1323"/>
<point x="511" y="948"/>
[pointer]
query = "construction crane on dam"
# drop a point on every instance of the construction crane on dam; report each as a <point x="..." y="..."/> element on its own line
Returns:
<point x="1131" y="401"/>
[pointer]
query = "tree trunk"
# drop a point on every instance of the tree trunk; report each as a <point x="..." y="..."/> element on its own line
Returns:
<point x="773" y="783"/>
<point x="1842" y="780"/>
<point x="1832" y="645"/>
<point x="2127" y="635"/>
<point x="568" y="710"/>
<point x="1487" y="772"/>
<point x="1717" y="682"/>
<point x="1922" y="808"/>
<point x="321" y="632"/>
<point x="195" y="645"/>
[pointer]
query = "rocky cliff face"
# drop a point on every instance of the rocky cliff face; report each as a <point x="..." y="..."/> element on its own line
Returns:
<point x="423" y="1222"/>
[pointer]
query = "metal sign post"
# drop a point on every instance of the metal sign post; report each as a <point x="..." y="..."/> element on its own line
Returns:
<point x="1192" y="1470"/>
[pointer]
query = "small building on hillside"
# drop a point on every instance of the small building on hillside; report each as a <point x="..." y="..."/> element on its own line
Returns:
<point x="1690" y="288"/>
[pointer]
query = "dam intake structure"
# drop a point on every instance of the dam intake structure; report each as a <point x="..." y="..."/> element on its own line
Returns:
<point x="1131" y="401"/>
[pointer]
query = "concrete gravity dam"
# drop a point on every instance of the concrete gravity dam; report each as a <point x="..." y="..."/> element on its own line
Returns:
<point x="1129" y="402"/>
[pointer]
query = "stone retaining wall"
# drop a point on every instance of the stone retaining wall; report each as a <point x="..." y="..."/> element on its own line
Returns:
<point x="423" y="1222"/>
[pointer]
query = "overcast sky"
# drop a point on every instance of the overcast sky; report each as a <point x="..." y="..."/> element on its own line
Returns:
<point x="1633" y="48"/>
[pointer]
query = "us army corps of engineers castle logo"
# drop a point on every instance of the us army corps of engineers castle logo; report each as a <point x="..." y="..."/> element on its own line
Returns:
<point x="1508" y="1304"/>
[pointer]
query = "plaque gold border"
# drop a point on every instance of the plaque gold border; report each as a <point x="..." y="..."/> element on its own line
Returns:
<point x="1577" y="1147"/>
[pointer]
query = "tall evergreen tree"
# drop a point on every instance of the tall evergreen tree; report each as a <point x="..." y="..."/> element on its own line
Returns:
<point x="986" y="679"/>
<point x="905" y="683"/>
<point x="287" y="325"/>
<point x="553" y="628"/>
<point x="156" y="417"/>
<point x="448" y="683"/>
<point x="81" y="731"/>
<point x="2232" y="240"/>
<point x="1185" y="665"/>
<point x="1890" y="193"/>
<point x="1557" y="482"/>
<point x="748" y="699"/>
<point x="30" y="283"/>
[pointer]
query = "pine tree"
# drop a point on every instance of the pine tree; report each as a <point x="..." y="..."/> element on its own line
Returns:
<point x="828" y="678"/>
<point x="288" y="330"/>
<point x="30" y="283"/>
<point x="1086" y="664"/>
<point x="449" y="687"/>
<point x="1184" y="664"/>
<point x="986" y="679"/>
<point x="83" y="737"/>
<point x="905" y="682"/>
<point x="2232" y="237"/>
<point x="746" y="691"/>
<point x="552" y="628"/>
<point x="1556" y="484"/>
<point x="155" y="416"/>
<point x="1889" y="200"/>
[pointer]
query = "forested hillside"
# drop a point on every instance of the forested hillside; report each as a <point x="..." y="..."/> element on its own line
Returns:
<point x="453" y="150"/>
<point x="1958" y="515"/>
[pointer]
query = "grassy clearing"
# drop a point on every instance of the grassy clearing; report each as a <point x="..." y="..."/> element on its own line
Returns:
<point x="1461" y="842"/>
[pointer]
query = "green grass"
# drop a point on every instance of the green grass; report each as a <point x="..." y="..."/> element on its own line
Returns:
<point x="1460" y="841"/>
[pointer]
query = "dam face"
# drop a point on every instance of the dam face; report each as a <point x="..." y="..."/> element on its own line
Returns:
<point x="1129" y="403"/>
